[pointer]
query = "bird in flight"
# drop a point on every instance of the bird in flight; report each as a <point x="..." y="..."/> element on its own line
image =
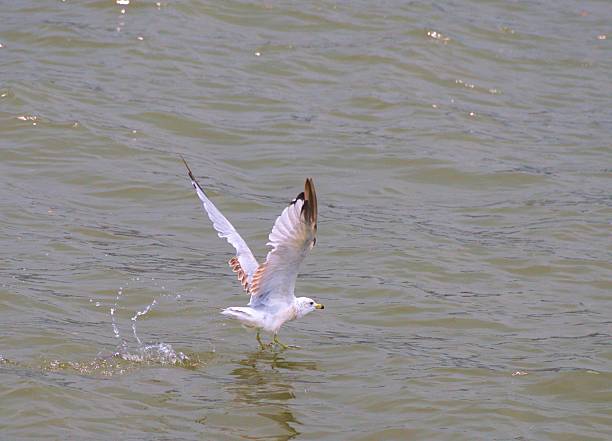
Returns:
<point x="271" y="284"/>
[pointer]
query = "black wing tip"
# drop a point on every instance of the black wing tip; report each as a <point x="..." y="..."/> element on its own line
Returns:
<point x="194" y="181"/>
<point x="309" y="184"/>
<point x="299" y="197"/>
<point x="187" y="166"/>
<point x="309" y="198"/>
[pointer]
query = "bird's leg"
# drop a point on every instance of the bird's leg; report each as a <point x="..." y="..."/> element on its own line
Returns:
<point x="282" y="345"/>
<point x="276" y="341"/>
<point x="261" y="343"/>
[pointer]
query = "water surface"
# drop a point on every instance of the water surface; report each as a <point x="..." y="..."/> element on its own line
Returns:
<point x="462" y="159"/>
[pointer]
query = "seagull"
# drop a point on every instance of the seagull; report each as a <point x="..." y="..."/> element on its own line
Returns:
<point x="270" y="284"/>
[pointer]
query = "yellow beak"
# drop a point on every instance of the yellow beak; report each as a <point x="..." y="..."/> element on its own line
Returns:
<point x="319" y="306"/>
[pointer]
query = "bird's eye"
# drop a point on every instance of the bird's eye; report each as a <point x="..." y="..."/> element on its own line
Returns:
<point x="312" y="303"/>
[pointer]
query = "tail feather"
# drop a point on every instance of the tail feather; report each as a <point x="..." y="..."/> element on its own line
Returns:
<point x="244" y="314"/>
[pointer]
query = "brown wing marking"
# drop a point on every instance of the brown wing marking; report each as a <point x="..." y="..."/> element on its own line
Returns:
<point x="242" y="277"/>
<point x="310" y="209"/>
<point x="257" y="279"/>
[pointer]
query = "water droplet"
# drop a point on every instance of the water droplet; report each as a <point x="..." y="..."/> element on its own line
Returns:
<point x="438" y="36"/>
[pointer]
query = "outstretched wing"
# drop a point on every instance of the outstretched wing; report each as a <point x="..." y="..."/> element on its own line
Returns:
<point x="292" y="237"/>
<point x="244" y="264"/>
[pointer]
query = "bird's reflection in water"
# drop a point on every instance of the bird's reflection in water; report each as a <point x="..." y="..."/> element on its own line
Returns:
<point x="264" y="381"/>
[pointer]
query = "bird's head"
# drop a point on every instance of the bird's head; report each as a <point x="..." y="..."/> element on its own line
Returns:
<point x="306" y="305"/>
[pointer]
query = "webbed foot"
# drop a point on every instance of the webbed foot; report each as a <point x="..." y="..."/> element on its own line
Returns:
<point x="283" y="346"/>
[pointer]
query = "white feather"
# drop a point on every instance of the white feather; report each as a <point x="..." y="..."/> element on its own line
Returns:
<point x="227" y="231"/>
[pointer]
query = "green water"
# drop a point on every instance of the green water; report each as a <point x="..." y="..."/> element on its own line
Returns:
<point x="462" y="155"/>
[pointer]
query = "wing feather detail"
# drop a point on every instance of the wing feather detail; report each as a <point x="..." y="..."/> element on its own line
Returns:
<point x="243" y="278"/>
<point x="244" y="264"/>
<point x="293" y="236"/>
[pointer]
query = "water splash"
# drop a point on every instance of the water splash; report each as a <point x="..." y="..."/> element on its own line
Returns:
<point x="123" y="344"/>
<point x="156" y="353"/>
<point x="129" y="355"/>
<point x="160" y="353"/>
<point x="138" y="314"/>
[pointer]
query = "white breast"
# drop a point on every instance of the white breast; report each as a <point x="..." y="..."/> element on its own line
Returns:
<point x="273" y="322"/>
